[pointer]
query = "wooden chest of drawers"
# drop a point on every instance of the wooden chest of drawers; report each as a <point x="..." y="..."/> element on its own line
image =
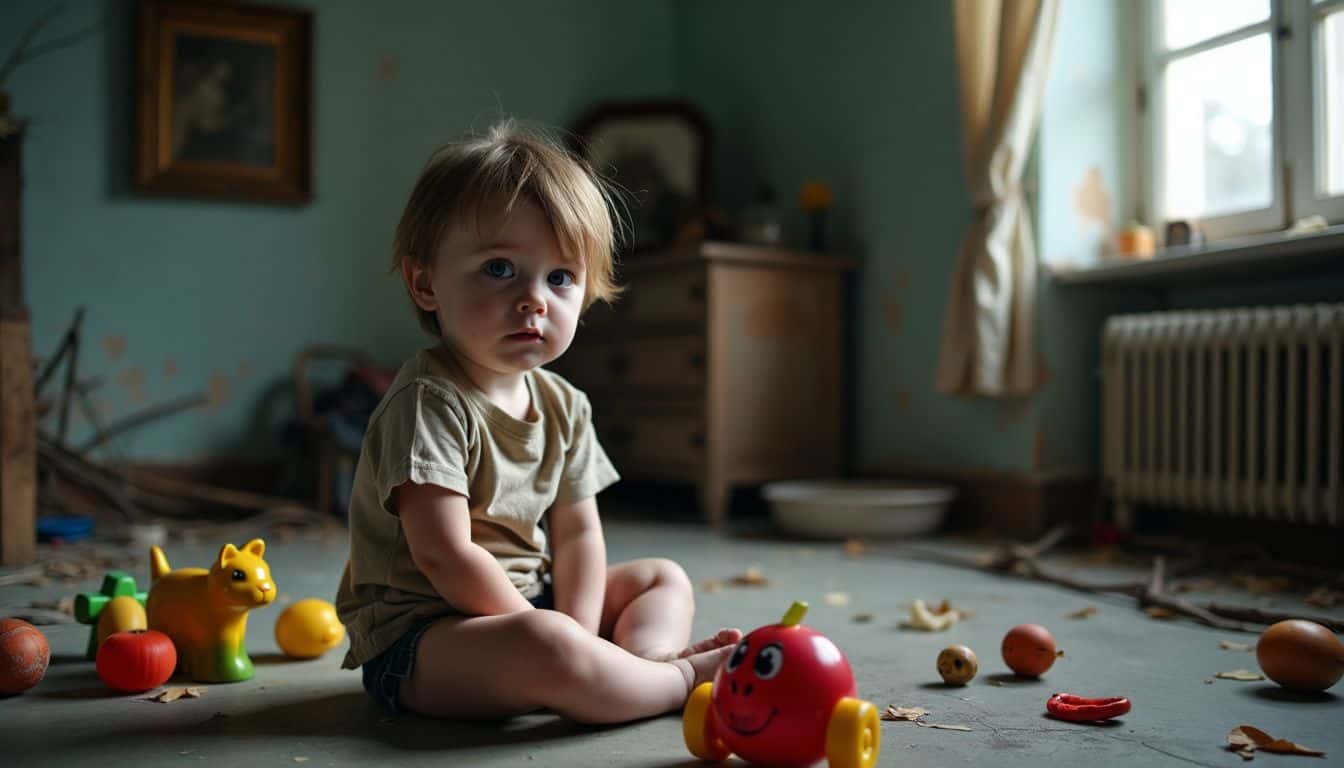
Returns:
<point x="722" y="364"/>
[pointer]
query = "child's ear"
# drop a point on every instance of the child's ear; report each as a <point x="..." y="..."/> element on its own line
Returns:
<point x="419" y="286"/>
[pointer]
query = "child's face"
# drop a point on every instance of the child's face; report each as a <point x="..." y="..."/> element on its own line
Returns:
<point x="508" y="302"/>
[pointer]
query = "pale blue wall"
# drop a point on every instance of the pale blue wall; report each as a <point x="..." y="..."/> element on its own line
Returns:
<point x="1087" y="123"/>
<point x="859" y="94"/>
<point x="863" y="95"/>
<point x="232" y="291"/>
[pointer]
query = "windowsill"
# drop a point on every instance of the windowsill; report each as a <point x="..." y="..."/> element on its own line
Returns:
<point x="1275" y="254"/>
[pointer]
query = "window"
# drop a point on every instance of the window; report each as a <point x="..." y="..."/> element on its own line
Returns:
<point x="1246" y="112"/>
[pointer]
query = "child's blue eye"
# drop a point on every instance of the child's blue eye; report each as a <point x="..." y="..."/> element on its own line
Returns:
<point x="561" y="278"/>
<point x="498" y="268"/>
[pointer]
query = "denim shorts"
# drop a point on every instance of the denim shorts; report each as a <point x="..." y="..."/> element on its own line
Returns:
<point x="383" y="674"/>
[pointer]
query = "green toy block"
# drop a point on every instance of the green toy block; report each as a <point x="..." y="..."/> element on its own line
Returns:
<point x="89" y="605"/>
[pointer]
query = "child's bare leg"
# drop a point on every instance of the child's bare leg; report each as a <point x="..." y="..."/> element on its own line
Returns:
<point x="648" y="610"/>
<point x="496" y="666"/>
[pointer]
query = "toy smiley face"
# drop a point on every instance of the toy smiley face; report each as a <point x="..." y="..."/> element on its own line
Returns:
<point x="957" y="664"/>
<point x="774" y="699"/>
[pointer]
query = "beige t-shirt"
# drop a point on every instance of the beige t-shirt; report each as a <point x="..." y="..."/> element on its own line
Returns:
<point x="434" y="426"/>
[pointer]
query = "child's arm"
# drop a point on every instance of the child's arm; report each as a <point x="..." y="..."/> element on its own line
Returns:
<point x="579" y="573"/>
<point x="437" y="522"/>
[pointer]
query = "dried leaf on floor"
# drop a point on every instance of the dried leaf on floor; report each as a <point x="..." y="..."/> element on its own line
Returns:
<point x="929" y="621"/>
<point x="1324" y="597"/>
<point x="1228" y="645"/>
<point x="1244" y="675"/>
<point x="946" y="607"/>
<point x="854" y="547"/>
<point x="174" y="693"/>
<point x="752" y="577"/>
<point x="837" y="599"/>
<point x="1193" y="585"/>
<point x="903" y="713"/>
<point x="863" y="618"/>
<point x="1265" y="585"/>
<point x="1245" y="739"/>
<point x="1158" y="612"/>
<point x="1083" y="613"/>
<point x="300" y="759"/>
<point x="711" y="585"/>
<point x="942" y="726"/>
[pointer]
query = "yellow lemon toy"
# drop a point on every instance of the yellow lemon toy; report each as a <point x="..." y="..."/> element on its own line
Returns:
<point x="121" y="614"/>
<point x="309" y="628"/>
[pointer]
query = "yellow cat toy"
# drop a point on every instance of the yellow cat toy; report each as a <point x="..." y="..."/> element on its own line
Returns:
<point x="205" y="612"/>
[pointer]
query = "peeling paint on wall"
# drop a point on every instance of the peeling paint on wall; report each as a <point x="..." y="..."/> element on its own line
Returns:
<point x="903" y="401"/>
<point x="114" y="347"/>
<point x="893" y="303"/>
<point x="218" y="390"/>
<point x="133" y="380"/>
<point x="1044" y="373"/>
<point x="1092" y="206"/>
<point x="1011" y="412"/>
<point x="389" y="67"/>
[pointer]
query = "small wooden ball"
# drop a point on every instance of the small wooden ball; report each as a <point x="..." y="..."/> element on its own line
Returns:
<point x="24" y="655"/>
<point x="957" y="664"/>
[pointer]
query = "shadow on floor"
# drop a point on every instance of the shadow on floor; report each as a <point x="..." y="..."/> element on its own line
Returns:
<point x="1275" y="693"/>
<point x="355" y="714"/>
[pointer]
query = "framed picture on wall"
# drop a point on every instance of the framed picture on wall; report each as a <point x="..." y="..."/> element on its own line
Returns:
<point x="658" y="155"/>
<point x="223" y="94"/>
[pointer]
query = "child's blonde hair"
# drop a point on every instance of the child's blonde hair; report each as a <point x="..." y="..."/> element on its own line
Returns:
<point x="483" y="178"/>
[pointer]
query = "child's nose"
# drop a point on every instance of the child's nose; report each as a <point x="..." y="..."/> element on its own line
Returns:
<point x="531" y="304"/>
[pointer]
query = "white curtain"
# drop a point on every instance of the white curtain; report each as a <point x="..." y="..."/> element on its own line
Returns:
<point x="1003" y="58"/>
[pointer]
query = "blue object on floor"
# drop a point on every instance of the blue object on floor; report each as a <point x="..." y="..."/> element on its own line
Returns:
<point x="67" y="529"/>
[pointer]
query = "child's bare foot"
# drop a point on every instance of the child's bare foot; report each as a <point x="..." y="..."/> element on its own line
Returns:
<point x="729" y="636"/>
<point x="700" y="667"/>
<point x="720" y="639"/>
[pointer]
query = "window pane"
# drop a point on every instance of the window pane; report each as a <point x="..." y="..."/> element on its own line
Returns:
<point x="1186" y="22"/>
<point x="1332" y="47"/>
<point x="1219" y="130"/>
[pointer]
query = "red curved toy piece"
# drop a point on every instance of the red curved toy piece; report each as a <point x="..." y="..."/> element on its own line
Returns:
<point x="1078" y="709"/>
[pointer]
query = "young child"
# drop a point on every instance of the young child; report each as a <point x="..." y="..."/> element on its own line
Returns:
<point x="477" y="584"/>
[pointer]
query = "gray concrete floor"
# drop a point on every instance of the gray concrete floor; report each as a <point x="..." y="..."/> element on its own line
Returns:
<point x="316" y="714"/>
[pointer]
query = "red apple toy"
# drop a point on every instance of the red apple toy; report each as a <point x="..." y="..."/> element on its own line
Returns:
<point x="786" y="697"/>
<point x="136" y="660"/>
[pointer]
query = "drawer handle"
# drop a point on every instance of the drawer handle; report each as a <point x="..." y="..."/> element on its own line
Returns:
<point x="698" y="440"/>
<point x="697" y="359"/>
<point x="619" y="365"/>
<point x="697" y="291"/>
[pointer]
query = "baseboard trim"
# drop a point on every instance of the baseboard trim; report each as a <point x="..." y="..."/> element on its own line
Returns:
<point x="1008" y="503"/>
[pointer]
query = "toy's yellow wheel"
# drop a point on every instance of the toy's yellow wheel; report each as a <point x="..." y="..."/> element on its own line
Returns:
<point x="853" y="736"/>
<point x="697" y="726"/>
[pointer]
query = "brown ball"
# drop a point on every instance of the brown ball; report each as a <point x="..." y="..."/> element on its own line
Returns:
<point x="1300" y="655"/>
<point x="1029" y="649"/>
<point x="24" y="655"/>
<point x="957" y="664"/>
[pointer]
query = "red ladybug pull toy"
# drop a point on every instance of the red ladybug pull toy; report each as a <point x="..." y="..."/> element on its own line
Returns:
<point x="785" y="697"/>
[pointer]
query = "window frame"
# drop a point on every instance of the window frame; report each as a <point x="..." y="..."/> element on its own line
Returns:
<point x="1298" y="158"/>
<point x="1305" y="91"/>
